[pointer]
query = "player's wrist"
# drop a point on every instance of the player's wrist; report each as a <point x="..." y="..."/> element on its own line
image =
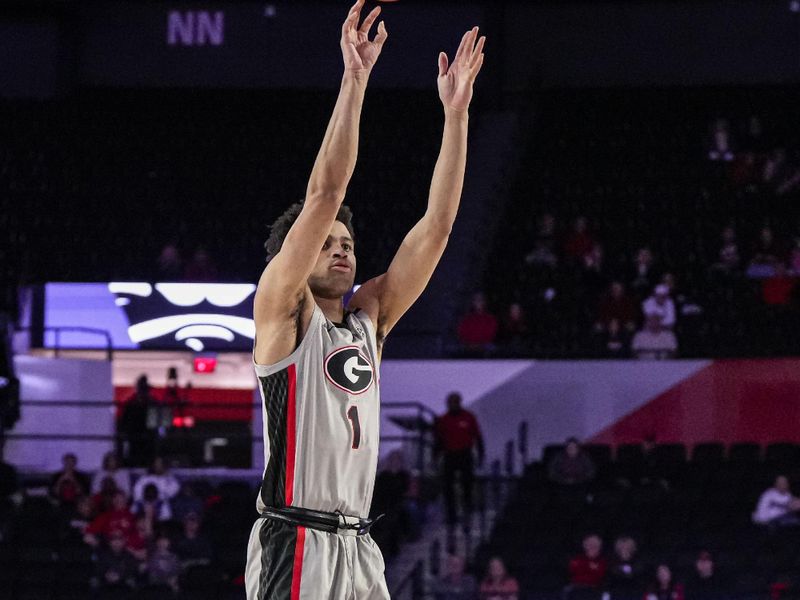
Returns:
<point x="357" y="76"/>
<point x="455" y="114"/>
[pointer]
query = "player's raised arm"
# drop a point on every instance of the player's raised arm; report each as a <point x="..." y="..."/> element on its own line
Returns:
<point x="387" y="297"/>
<point x="284" y="280"/>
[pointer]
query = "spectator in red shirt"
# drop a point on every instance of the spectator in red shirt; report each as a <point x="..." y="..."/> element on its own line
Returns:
<point x="104" y="498"/>
<point x="477" y="330"/>
<point x="617" y="306"/>
<point x="514" y="331"/>
<point x="664" y="587"/>
<point x="588" y="570"/>
<point x="456" y="434"/>
<point x="119" y="518"/>
<point x="498" y="584"/>
<point x="580" y="242"/>
<point x="777" y="290"/>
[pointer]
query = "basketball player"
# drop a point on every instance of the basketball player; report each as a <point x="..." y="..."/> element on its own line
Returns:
<point x="317" y="362"/>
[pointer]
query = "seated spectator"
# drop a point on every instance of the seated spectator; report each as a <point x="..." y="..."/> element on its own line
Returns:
<point x="766" y="254"/>
<point x="104" y="497"/>
<point x="704" y="583"/>
<point x="777" y="507"/>
<point x="625" y="570"/>
<point x="588" y="570"/>
<point x="775" y="168"/>
<point x="141" y="538"/>
<point x="662" y="305"/>
<point x="165" y="482"/>
<point x="151" y="506"/>
<point x="186" y="502"/>
<point x="654" y="342"/>
<point x="200" y="268"/>
<point x="455" y="584"/>
<point x="664" y="587"/>
<point x="498" y="584"/>
<point x="192" y="547"/>
<point x="514" y="331"/>
<point x="777" y="290"/>
<point x="728" y="258"/>
<point x="477" y="330"/>
<point x="721" y="149"/>
<point x="571" y="466"/>
<point x="115" y="568"/>
<point x="119" y="518"/>
<point x="644" y="275"/>
<point x="755" y="141"/>
<point x="162" y="565"/>
<point x="614" y="342"/>
<point x="543" y="253"/>
<point x="69" y="484"/>
<point x="580" y="242"/>
<point x="111" y="468"/>
<point x="617" y="306"/>
<point x="170" y="265"/>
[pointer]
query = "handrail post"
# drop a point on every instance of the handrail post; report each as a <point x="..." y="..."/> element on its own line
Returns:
<point x="509" y="464"/>
<point x="523" y="442"/>
<point x="420" y="444"/>
<point x="417" y="589"/>
<point x="435" y="557"/>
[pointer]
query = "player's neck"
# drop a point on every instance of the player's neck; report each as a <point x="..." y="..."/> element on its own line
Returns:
<point x="332" y="308"/>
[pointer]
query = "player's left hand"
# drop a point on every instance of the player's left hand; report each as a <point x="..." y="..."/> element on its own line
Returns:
<point x="455" y="80"/>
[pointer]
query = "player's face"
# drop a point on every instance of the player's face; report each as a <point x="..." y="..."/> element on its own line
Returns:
<point x="335" y="271"/>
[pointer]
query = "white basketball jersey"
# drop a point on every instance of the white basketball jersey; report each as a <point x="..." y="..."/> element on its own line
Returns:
<point x="321" y="408"/>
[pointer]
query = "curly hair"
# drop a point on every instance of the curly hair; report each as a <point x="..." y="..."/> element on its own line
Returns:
<point x="282" y="225"/>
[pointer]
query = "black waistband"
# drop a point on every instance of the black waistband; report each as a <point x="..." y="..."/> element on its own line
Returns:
<point x="335" y="522"/>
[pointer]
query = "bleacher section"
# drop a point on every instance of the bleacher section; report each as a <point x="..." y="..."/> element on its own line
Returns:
<point x="701" y="501"/>
<point x="635" y="163"/>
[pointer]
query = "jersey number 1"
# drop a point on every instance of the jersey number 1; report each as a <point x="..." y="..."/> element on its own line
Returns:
<point x="352" y="414"/>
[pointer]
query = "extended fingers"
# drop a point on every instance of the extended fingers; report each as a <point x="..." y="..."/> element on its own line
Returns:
<point x="462" y="47"/>
<point x="477" y="52"/>
<point x="351" y="22"/>
<point x="365" y="26"/>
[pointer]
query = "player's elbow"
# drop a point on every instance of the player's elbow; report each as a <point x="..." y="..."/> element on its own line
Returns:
<point x="438" y="228"/>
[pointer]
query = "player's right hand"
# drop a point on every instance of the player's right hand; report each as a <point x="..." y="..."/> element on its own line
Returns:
<point x="358" y="52"/>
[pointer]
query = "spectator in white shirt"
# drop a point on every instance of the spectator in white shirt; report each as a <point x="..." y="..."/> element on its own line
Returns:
<point x="777" y="507"/>
<point x="654" y="341"/>
<point x="158" y="475"/>
<point x="662" y="305"/>
<point x="111" y="468"/>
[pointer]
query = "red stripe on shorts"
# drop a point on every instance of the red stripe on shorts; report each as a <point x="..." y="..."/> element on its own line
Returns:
<point x="291" y="435"/>
<point x="297" y="571"/>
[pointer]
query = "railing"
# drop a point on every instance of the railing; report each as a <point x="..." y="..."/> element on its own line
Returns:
<point x="57" y="346"/>
<point x="418" y="438"/>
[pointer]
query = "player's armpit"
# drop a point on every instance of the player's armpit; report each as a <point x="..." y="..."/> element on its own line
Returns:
<point x="387" y="298"/>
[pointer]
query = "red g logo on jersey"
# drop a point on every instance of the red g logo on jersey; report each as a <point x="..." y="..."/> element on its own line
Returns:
<point x="349" y="370"/>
